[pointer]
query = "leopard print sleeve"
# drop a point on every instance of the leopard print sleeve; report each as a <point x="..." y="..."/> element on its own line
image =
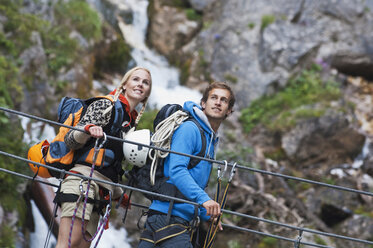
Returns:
<point x="94" y="115"/>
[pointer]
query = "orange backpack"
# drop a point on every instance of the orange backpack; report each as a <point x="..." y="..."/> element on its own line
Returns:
<point x="57" y="154"/>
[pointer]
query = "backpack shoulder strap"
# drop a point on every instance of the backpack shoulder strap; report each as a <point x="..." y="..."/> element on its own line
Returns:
<point x="194" y="161"/>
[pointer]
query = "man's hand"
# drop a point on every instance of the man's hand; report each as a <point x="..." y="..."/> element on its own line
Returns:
<point x="213" y="208"/>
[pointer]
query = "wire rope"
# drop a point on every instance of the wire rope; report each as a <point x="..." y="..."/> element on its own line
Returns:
<point x="203" y="158"/>
<point x="176" y="199"/>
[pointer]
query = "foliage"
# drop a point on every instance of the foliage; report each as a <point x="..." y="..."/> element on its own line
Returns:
<point x="320" y="241"/>
<point x="234" y="244"/>
<point x="240" y="154"/>
<point x="268" y="242"/>
<point x="364" y="211"/>
<point x="192" y="15"/>
<point x="81" y="17"/>
<point x="267" y="20"/>
<point x="231" y="78"/>
<point x="251" y="25"/>
<point x="19" y="26"/>
<point x="147" y="118"/>
<point x="61" y="51"/>
<point x="7" y="237"/>
<point x="115" y="59"/>
<point x="281" y="111"/>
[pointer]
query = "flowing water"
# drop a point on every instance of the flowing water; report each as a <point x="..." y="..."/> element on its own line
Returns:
<point x="166" y="88"/>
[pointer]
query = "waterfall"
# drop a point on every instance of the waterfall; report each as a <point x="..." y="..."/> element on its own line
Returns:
<point x="166" y="88"/>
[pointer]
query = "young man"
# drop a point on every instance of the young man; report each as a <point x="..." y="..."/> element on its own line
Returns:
<point x="216" y="104"/>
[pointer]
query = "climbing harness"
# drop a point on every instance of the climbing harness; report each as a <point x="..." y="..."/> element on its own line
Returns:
<point x="162" y="138"/>
<point x="84" y="194"/>
<point x="214" y="225"/>
<point x="169" y="231"/>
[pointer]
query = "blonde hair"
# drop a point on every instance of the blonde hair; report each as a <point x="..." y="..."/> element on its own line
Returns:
<point x="121" y="90"/>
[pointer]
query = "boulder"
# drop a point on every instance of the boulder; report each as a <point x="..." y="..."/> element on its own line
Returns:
<point x="170" y="29"/>
<point x="357" y="226"/>
<point x="329" y="139"/>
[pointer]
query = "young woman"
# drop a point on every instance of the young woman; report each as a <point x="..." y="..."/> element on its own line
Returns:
<point x="100" y="117"/>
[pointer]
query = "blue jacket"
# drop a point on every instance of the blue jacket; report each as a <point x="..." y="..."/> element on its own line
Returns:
<point x="187" y="139"/>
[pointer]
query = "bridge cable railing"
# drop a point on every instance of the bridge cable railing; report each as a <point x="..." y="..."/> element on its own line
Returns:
<point x="200" y="158"/>
<point x="63" y="173"/>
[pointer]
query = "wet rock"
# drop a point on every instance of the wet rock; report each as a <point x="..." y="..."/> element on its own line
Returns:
<point x="170" y="29"/>
<point x="112" y="9"/>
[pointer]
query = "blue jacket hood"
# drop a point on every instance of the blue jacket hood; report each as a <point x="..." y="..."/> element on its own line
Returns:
<point x="196" y="111"/>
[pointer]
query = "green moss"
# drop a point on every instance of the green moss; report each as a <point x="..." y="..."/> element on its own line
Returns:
<point x="231" y="78"/>
<point x="7" y="236"/>
<point x="175" y="3"/>
<point x="61" y="51"/>
<point x="364" y="211"/>
<point x="320" y="241"/>
<point x="267" y="20"/>
<point x="277" y="155"/>
<point x="282" y="110"/>
<point x="268" y="242"/>
<point x="239" y="154"/>
<point x="234" y="244"/>
<point x="18" y="27"/>
<point x="79" y="15"/>
<point x="329" y="180"/>
<point x="10" y="90"/>
<point x="192" y="15"/>
<point x="184" y="71"/>
<point x="206" y="24"/>
<point x="251" y="25"/>
<point x="147" y="119"/>
<point x="115" y="59"/>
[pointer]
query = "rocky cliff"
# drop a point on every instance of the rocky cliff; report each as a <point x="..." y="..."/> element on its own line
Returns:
<point x="301" y="71"/>
<point x="302" y="74"/>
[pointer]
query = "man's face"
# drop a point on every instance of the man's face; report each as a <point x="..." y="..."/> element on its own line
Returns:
<point x="216" y="106"/>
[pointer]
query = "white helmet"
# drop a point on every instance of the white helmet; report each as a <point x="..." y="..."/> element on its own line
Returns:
<point x="137" y="154"/>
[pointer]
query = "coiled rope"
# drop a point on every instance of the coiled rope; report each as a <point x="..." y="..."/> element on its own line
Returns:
<point x="162" y="138"/>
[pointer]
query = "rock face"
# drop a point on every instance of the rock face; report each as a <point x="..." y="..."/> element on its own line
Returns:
<point x="258" y="45"/>
<point x="327" y="140"/>
<point x="170" y="29"/>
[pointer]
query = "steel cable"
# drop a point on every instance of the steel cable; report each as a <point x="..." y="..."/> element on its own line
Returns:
<point x="63" y="172"/>
<point x="202" y="158"/>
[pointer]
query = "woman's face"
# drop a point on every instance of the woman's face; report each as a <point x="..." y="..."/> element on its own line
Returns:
<point x="138" y="86"/>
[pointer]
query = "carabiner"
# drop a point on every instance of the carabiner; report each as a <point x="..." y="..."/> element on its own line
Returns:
<point x="98" y="145"/>
<point x="233" y="171"/>
<point x="82" y="192"/>
<point x="225" y="169"/>
<point x="297" y="242"/>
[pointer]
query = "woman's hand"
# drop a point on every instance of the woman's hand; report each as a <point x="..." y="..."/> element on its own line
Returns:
<point x="94" y="131"/>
